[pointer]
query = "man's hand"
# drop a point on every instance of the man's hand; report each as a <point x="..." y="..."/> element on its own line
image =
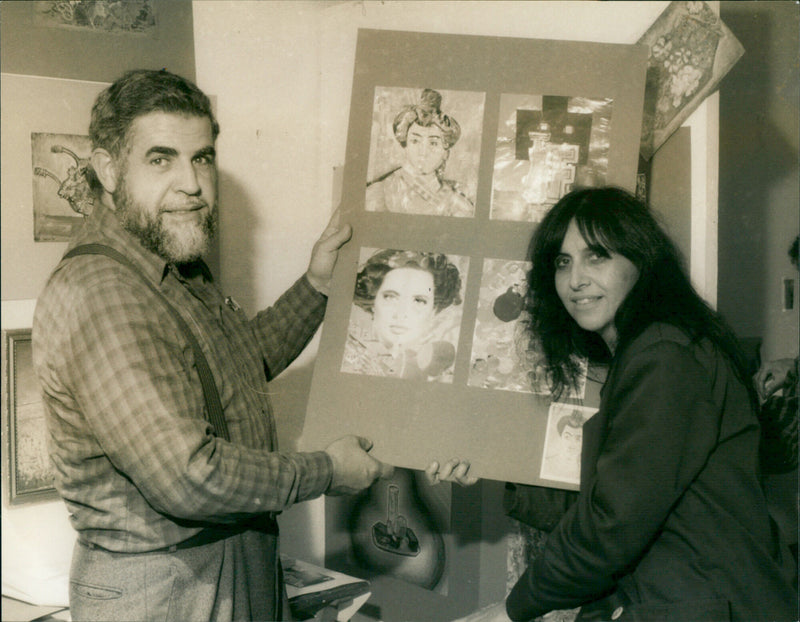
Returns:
<point x="325" y="252"/>
<point x="454" y="470"/>
<point x="353" y="468"/>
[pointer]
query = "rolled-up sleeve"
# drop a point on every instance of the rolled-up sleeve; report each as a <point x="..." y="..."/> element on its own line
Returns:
<point x="286" y="327"/>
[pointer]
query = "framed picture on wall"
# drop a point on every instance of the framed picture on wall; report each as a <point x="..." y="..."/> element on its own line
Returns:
<point x="61" y="192"/>
<point x="97" y="39"/>
<point x="29" y="468"/>
<point x="457" y="147"/>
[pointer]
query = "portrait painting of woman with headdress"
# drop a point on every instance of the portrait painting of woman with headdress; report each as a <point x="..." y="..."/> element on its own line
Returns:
<point x="422" y="160"/>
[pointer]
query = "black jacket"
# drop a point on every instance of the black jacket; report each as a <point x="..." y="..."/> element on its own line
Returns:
<point x="671" y="521"/>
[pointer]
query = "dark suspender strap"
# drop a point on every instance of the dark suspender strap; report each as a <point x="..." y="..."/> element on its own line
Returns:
<point x="210" y="393"/>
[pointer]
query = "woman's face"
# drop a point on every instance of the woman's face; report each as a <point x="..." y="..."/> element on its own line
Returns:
<point x="403" y="309"/>
<point x="592" y="285"/>
<point x="425" y="148"/>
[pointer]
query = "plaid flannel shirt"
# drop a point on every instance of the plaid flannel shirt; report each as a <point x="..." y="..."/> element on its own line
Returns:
<point x="135" y="459"/>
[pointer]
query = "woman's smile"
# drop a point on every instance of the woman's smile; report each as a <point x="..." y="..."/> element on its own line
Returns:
<point x="592" y="283"/>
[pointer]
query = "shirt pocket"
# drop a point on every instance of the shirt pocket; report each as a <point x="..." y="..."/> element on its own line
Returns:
<point x="94" y="591"/>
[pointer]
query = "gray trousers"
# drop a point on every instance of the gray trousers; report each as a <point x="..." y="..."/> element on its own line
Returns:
<point x="237" y="578"/>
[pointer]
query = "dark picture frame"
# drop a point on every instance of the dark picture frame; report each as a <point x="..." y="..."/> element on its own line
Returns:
<point x="30" y="472"/>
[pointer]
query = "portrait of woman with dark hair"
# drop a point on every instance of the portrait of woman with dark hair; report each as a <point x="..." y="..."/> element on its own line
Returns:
<point x="414" y="182"/>
<point x="406" y="315"/>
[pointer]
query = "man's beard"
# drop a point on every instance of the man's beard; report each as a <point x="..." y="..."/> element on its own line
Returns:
<point x="177" y="243"/>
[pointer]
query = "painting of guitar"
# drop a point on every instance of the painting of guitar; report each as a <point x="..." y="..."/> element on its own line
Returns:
<point x="394" y="531"/>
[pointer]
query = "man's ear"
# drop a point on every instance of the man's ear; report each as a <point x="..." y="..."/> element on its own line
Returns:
<point x="106" y="169"/>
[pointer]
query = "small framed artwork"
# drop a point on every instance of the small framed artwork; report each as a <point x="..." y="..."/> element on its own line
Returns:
<point x="44" y="195"/>
<point x="97" y="40"/>
<point x="30" y="472"/>
<point x="561" y="459"/>
<point x="61" y="192"/>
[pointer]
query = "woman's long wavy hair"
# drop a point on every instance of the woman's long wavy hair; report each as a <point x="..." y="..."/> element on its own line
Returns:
<point x="611" y="219"/>
<point x="446" y="277"/>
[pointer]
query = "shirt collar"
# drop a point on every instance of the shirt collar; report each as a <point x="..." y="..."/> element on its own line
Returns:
<point x="103" y="227"/>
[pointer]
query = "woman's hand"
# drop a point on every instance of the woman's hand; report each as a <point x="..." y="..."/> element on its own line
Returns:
<point x="454" y="470"/>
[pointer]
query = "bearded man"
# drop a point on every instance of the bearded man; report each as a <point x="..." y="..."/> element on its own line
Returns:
<point x="136" y="350"/>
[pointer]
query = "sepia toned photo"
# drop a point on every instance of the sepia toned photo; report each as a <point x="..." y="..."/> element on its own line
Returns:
<point x="399" y="311"/>
<point x="406" y="315"/>
<point x="424" y="152"/>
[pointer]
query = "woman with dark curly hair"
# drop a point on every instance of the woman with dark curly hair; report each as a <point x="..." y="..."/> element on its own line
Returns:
<point x="403" y="292"/>
<point x="670" y="522"/>
<point x="418" y="186"/>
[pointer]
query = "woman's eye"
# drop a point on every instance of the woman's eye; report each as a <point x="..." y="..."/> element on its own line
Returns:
<point x="389" y="296"/>
<point x="421" y="301"/>
<point x="562" y="262"/>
